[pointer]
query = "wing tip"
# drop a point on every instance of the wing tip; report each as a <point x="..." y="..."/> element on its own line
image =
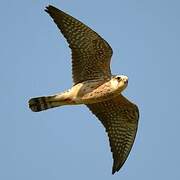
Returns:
<point x="114" y="169"/>
<point x="49" y="7"/>
<point x="117" y="166"/>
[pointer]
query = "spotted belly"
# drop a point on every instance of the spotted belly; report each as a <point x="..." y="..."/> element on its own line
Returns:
<point x="94" y="92"/>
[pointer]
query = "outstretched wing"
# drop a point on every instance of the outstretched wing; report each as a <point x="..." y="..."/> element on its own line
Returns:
<point x="120" y="118"/>
<point x="90" y="53"/>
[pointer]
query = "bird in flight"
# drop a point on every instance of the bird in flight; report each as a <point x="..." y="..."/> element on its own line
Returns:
<point x="94" y="86"/>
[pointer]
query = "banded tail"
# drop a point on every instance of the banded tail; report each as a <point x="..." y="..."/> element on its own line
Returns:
<point x="43" y="103"/>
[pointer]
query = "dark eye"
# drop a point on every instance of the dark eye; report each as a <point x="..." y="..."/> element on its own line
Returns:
<point x="118" y="78"/>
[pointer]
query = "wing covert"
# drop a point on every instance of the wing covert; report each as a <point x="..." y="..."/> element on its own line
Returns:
<point x="91" y="54"/>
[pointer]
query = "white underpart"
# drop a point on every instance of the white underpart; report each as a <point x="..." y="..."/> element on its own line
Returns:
<point x="75" y="90"/>
<point x="71" y="93"/>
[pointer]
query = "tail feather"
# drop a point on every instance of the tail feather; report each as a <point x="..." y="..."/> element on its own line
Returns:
<point x="42" y="103"/>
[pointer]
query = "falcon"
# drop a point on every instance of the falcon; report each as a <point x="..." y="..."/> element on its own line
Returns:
<point x="94" y="86"/>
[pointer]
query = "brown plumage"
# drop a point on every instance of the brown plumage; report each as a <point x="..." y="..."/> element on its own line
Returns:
<point x="94" y="86"/>
<point x="91" y="54"/>
<point x="120" y="118"/>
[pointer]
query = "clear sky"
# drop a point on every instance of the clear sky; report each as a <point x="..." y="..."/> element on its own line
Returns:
<point x="69" y="142"/>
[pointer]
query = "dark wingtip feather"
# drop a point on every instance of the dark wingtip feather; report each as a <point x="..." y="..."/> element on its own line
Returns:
<point x="49" y="8"/>
<point x="113" y="171"/>
<point x="117" y="166"/>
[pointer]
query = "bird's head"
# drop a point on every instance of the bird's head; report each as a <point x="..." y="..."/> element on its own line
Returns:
<point x="119" y="82"/>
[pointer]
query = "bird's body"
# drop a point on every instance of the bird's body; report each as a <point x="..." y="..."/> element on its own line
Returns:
<point x="94" y="86"/>
<point x="88" y="92"/>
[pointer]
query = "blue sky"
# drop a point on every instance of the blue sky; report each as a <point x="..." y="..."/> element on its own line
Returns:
<point x="68" y="142"/>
